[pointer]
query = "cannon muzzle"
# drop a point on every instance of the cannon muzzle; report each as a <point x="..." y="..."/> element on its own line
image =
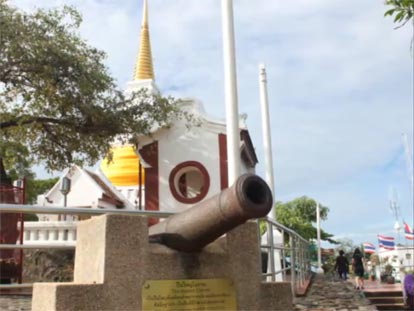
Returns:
<point x="249" y="197"/>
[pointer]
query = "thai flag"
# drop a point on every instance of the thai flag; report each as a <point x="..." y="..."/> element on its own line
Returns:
<point x="369" y="248"/>
<point x="386" y="242"/>
<point x="409" y="234"/>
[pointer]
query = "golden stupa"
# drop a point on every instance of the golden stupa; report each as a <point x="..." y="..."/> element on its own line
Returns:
<point x="143" y="66"/>
<point x="123" y="170"/>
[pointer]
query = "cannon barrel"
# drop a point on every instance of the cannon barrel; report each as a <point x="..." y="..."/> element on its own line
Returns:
<point x="249" y="197"/>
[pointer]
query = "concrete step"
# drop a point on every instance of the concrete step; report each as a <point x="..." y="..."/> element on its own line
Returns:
<point x="382" y="300"/>
<point x="391" y="306"/>
<point x="383" y="293"/>
<point x="386" y="300"/>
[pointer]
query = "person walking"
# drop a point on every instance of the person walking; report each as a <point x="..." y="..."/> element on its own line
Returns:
<point x="358" y="267"/>
<point x="341" y="265"/>
<point x="409" y="290"/>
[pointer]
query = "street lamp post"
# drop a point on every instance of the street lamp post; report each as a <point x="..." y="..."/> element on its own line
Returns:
<point x="65" y="189"/>
<point x="318" y="232"/>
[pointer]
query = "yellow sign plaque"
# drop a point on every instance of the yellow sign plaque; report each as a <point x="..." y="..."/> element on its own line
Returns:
<point x="186" y="295"/>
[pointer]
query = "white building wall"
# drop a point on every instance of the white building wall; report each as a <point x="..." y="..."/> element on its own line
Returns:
<point x="83" y="191"/>
<point x="401" y="259"/>
<point x="132" y="194"/>
<point x="180" y="145"/>
<point x="244" y="169"/>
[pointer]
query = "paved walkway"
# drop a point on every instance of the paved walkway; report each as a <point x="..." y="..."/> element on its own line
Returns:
<point x="329" y="294"/>
<point x="15" y="303"/>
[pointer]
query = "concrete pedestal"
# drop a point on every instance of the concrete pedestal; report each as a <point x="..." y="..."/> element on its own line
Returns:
<point x="114" y="260"/>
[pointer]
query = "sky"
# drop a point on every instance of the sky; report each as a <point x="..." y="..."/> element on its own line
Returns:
<point x="340" y="88"/>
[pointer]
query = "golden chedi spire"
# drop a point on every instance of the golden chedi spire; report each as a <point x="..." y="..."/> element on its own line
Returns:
<point x="143" y="65"/>
<point x="123" y="171"/>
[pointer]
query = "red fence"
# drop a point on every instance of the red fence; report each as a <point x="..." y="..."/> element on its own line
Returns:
<point x="11" y="231"/>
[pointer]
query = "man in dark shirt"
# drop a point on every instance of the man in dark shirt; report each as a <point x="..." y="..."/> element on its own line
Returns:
<point x="341" y="265"/>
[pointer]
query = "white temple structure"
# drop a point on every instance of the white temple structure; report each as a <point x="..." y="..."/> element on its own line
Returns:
<point x="401" y="259"/>
<point x="172" y="170"/>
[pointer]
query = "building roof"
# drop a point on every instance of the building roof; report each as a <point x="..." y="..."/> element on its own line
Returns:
<point x="108" y="195"/>
<point x="248" y="153"/>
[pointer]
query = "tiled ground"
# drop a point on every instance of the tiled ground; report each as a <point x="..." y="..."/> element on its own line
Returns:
<point x="15" y="303"/>
<point x="331" y="294"/>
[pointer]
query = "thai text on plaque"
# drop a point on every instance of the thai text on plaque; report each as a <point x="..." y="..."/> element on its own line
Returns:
<point x="186" y="295"/>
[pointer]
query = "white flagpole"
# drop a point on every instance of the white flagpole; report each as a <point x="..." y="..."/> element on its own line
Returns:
<point x="230" y="90"/>
<point x="267" y="141"/>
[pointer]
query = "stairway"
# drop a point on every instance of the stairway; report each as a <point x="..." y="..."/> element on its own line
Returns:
<point x="386" y="300"/>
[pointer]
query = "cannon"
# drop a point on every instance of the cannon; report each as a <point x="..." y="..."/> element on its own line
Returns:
<point x="112" y="253"/>
<point x="248" y="198"/>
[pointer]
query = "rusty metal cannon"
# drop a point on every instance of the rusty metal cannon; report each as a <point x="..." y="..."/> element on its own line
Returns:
<point x="189" y="231"/>
<point x="156" y="278"/>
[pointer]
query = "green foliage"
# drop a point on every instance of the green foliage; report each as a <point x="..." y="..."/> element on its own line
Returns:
<point x="37" y="187"/>
<point x="329" y="265"/>
<point x="30" y="217"/>
<point x="299" y="214"/>
<point x="401" y="10"/>
<point x="16" y="158"/>
<point x="366" y="255"/>
<point x="262" y="226"/>
<point x="345" y="244"/>
<point x="58" y="103"/>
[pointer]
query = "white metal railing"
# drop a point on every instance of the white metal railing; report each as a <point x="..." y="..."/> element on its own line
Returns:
<point x="288" y="255"/>
<point x="60" y="234"/>
<point x="75" y="210"/>
<point x="285" y="248"/>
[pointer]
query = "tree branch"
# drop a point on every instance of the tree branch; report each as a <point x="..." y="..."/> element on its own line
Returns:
<point x="31" y="120"/>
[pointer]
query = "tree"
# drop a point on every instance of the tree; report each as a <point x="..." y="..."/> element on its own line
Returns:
<point x="348" y="246"/>
<point x="37" y="187"/>
<point x="299" y="215"/>
<point x="401" y="10"/>
<point x="58" y="103"/>
<point x="345" y="244"/>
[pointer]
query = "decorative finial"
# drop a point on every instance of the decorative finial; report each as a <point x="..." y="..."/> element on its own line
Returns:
<point x="143" y="66"/>
<point x="145" y="13"/>
<point x="262" y="72"/>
